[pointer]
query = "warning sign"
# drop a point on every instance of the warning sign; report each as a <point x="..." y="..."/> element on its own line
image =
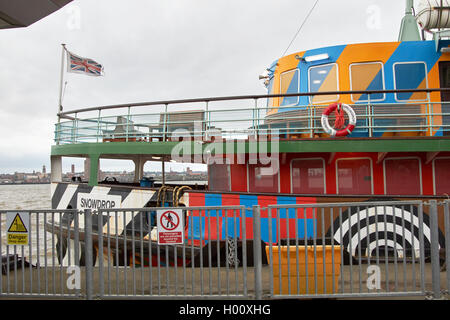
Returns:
<point x="170" y="226"/>
<point x="18" y="228"/>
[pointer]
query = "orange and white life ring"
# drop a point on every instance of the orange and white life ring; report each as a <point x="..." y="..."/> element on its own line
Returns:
<point x="351" y="120"/>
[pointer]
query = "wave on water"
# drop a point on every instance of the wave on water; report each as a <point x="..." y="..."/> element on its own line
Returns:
<point x="25" y="197"/>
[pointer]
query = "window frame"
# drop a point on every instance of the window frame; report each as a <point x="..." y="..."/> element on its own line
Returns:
<point x="403" y="158"/>
<point x="356" y="158"/>
<point x="298" y="88"/>
<point x="337" y="82"/>
<point x="395" y="79"/>
<point x="229" y="174"/>
<point x="382" y="76"/>
<point x="248" y="180"/>
<point x="309" y="159"/>
<point x="434" y="171"/>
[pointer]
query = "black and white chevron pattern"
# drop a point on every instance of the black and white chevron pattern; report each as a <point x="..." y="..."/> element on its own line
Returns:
<point x="64" y="196"/>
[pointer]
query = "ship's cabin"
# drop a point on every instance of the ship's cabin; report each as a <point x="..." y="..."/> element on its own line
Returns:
<point x="378" y="77"/>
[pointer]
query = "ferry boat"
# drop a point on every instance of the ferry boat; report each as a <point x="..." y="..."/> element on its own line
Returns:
<point x="345" y="123"/>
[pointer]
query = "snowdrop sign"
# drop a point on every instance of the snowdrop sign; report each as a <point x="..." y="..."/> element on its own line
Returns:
<point x="98" y="201"/>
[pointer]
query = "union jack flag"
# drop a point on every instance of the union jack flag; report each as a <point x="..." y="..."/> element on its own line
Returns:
<point x="87" y="66"/>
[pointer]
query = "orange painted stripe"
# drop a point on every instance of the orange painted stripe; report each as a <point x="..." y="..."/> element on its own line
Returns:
<point x="360" y="53"/>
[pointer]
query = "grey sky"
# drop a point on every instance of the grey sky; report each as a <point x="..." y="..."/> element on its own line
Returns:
<point x="161" y="50"/>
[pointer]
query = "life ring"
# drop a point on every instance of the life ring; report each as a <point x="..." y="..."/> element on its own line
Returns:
<point x="351" y="120"/>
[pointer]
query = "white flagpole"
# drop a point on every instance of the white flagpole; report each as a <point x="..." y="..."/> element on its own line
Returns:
<point x="60" y="108"/>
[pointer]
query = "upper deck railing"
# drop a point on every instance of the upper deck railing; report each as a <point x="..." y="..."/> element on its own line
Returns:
<point x="239" y="117"/>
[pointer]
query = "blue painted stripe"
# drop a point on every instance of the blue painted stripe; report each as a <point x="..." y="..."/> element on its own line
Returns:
<point x="410" y="51"/>
<point x="333" y="52"/>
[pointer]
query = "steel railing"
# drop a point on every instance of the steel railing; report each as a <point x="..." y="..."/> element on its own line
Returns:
<point x="444" y="253"/>
<point x="244" y="116"/>
<point x="371" y="249"/>
<point x="208" y="265"/>
<point x="333" y="250"/>
<point x="37" y="269"/>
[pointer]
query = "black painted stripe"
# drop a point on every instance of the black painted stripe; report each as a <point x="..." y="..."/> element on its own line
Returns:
<point x="57" y="195"/>
<point x="124" y="193"/>
<point x="374" y="220"/>
<point x="83" y="188"/>
<point x="139" y="224"/>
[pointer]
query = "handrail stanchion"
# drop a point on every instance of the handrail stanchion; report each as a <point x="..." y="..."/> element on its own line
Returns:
<point x="257" y="251"/>
<point x="369" y="114"/>
<point x="447" y="241"/>
<point x="435" y="267"/>
<point x="88" y="253"/>
<point x="256" y="119"/>
<point x="57" y="132"/>
<point x="430" y="113"/>
<point x="75" y="129"/>
<point x="165" y="123"/>
<point x="98" y="123"/>
<point x="128" y="123"/>
<point x="207" y="123"/>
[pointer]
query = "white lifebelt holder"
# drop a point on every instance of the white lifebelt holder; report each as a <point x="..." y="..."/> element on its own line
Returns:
<point x="351" y="120"/>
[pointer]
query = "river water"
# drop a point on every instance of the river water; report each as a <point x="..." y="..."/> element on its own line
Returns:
<point x="27" y="197"/>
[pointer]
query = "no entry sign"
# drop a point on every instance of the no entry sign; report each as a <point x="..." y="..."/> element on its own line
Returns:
<point x="170" y="226"/>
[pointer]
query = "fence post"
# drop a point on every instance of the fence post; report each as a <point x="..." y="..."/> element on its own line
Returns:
<point x="257" y="259"/>
<point x="447" y="242"/>
<point x="88" y="253"/>
<point x="435" y="267"/>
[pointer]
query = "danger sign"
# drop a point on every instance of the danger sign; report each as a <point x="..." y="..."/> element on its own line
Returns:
<point x="18" y="228"/>
<point x="170" y="226"/>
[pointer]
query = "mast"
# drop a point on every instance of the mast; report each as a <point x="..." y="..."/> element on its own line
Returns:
<point x="409" y="30"/>
<point x="60" y="108"/>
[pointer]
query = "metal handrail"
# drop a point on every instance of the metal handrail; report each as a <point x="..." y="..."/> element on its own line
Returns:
<point x="248" y="97"/>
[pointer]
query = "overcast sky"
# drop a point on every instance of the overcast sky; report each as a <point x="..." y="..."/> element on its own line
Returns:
<point x="161" y="50"/>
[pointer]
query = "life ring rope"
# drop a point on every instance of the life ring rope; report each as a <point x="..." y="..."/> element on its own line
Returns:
<point x="351" y="120"/>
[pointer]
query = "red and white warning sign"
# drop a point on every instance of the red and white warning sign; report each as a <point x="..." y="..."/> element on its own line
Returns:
<point x="170" y="226"/>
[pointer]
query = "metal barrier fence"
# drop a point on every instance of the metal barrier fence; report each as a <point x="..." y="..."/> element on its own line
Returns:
<point x="370" y="249"/>
<point x="445" y="254"/>
<point x="34" y="269"/>
<point x="212" y="262"/>
<point x="335" y="250"/>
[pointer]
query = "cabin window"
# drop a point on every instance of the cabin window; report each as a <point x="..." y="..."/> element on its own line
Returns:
<point x="263" y="178"/>
<point x="367" y="76"/>
<point x="289" y="83"/>
<point x="441" y="173"/>
<point x="410" y="75"/>
<point x="308" y="176"/>
<point x="219" y="177"/>
<point x="354" y="176"/>
<point x="323" y="78"/>
<point x="402" y="176"/>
